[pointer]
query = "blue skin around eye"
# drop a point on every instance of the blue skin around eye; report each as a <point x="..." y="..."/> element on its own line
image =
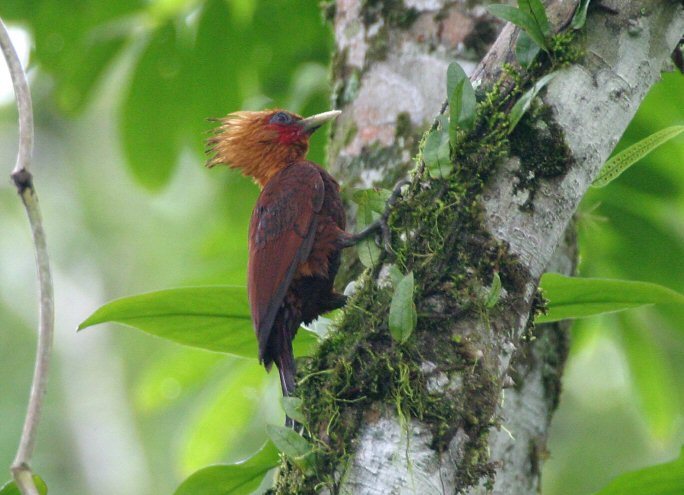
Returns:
<point x="281" y="118"/>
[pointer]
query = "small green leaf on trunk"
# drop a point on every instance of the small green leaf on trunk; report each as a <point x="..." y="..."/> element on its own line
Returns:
<point x="291" y="443"/>
<point x="293" y="408"/>
<point x="436" y="154"/>
<point x="402" y="314"/>
<point x="526" y="50"/>
<point x="523" y="104"/>
<point x="580" y="17"/>
<point x="494" y="292"/>
<point x="462" y="101"/>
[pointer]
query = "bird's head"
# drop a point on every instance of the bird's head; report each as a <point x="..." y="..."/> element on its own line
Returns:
<point x="261" y="144"/>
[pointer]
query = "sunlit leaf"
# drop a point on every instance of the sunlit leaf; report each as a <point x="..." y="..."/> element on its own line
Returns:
<point x="628" y="157"/>
<point x="167" y="378"/>
<point x="521" y="19"/>
<point x="224" y="415"/>
<point x="462" y="102"/>
<point x="215" y="318"/>
<point x="10" y="488"/>
<point x="662" y="479"/>
<point x="402" y="313"/>
<point x="232" y="479"/>
<point x="574" y="297"/>
<point x="652" y="377"/>
<point x="293" y="408"/>
<point x="523" y="104"/>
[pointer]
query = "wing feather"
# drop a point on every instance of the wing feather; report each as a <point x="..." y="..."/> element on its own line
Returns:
<point x="281" y="235"/>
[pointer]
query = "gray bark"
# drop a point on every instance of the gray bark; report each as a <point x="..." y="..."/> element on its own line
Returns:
<point x="390" y="76"/>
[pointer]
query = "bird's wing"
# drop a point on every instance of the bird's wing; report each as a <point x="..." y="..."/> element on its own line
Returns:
<point x="281" y="235"/>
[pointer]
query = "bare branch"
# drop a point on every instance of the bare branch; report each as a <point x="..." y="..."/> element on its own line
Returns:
<point x="23" y="180"/>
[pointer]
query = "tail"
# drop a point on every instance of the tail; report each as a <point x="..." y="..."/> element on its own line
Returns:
<point x="287" y="370"/>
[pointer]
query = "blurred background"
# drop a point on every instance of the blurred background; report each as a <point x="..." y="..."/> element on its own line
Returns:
<point x="121" y="92"/>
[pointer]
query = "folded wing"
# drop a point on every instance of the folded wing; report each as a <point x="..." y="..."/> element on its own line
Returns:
<point x="281" y="236"/>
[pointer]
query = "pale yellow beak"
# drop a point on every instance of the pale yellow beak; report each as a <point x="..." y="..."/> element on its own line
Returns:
<point x="310" y="124"/>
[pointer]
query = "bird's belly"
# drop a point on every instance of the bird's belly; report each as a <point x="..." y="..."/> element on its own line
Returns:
<point x="325" y="247"/>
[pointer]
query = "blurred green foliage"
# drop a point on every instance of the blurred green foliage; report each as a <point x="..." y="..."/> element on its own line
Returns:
<point x="128" y="85"/>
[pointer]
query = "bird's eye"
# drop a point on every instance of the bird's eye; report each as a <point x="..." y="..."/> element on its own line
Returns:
<point x="281" y="118"/>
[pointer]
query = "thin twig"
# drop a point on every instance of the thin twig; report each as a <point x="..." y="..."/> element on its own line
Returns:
<point x="21" y="471"/>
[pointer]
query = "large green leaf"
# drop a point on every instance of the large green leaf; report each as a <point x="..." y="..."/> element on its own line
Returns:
<point x="215" y="318"/>
<point x="212" y="72"/>
<point x="232" y="479"/>
<point x="169" y="376"/>
<point x="151" y="119"/>
<point x="663" y="479"/>
<point x="227" y="417"/>
<point x="76" y="42"/>
<point x="574" y="297"/>
<point x="652" y="376"/>
<point x="10" y="488"/>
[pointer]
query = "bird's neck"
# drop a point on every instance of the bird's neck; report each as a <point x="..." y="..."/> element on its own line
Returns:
<point x="263" y="166"/>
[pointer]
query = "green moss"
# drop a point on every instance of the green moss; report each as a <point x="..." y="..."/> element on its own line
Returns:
<point x="565" y="49"/>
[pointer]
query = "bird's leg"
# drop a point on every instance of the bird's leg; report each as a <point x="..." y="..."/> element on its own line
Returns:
<point x="380" y="223"/>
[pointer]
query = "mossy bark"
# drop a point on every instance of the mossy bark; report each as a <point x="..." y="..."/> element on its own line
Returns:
<point x="465" y="404"/>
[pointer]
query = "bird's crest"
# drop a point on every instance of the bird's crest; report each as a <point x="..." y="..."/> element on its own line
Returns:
<point x="254" y="144"/>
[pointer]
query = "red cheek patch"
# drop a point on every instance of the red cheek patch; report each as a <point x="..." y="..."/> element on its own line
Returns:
<point x="289" y="134"/>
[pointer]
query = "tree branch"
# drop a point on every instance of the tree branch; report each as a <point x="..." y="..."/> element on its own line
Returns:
<point x="23" y="180"/>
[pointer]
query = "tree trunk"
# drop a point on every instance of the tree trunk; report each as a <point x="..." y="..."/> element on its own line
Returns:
<point x="465" y="406"/>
